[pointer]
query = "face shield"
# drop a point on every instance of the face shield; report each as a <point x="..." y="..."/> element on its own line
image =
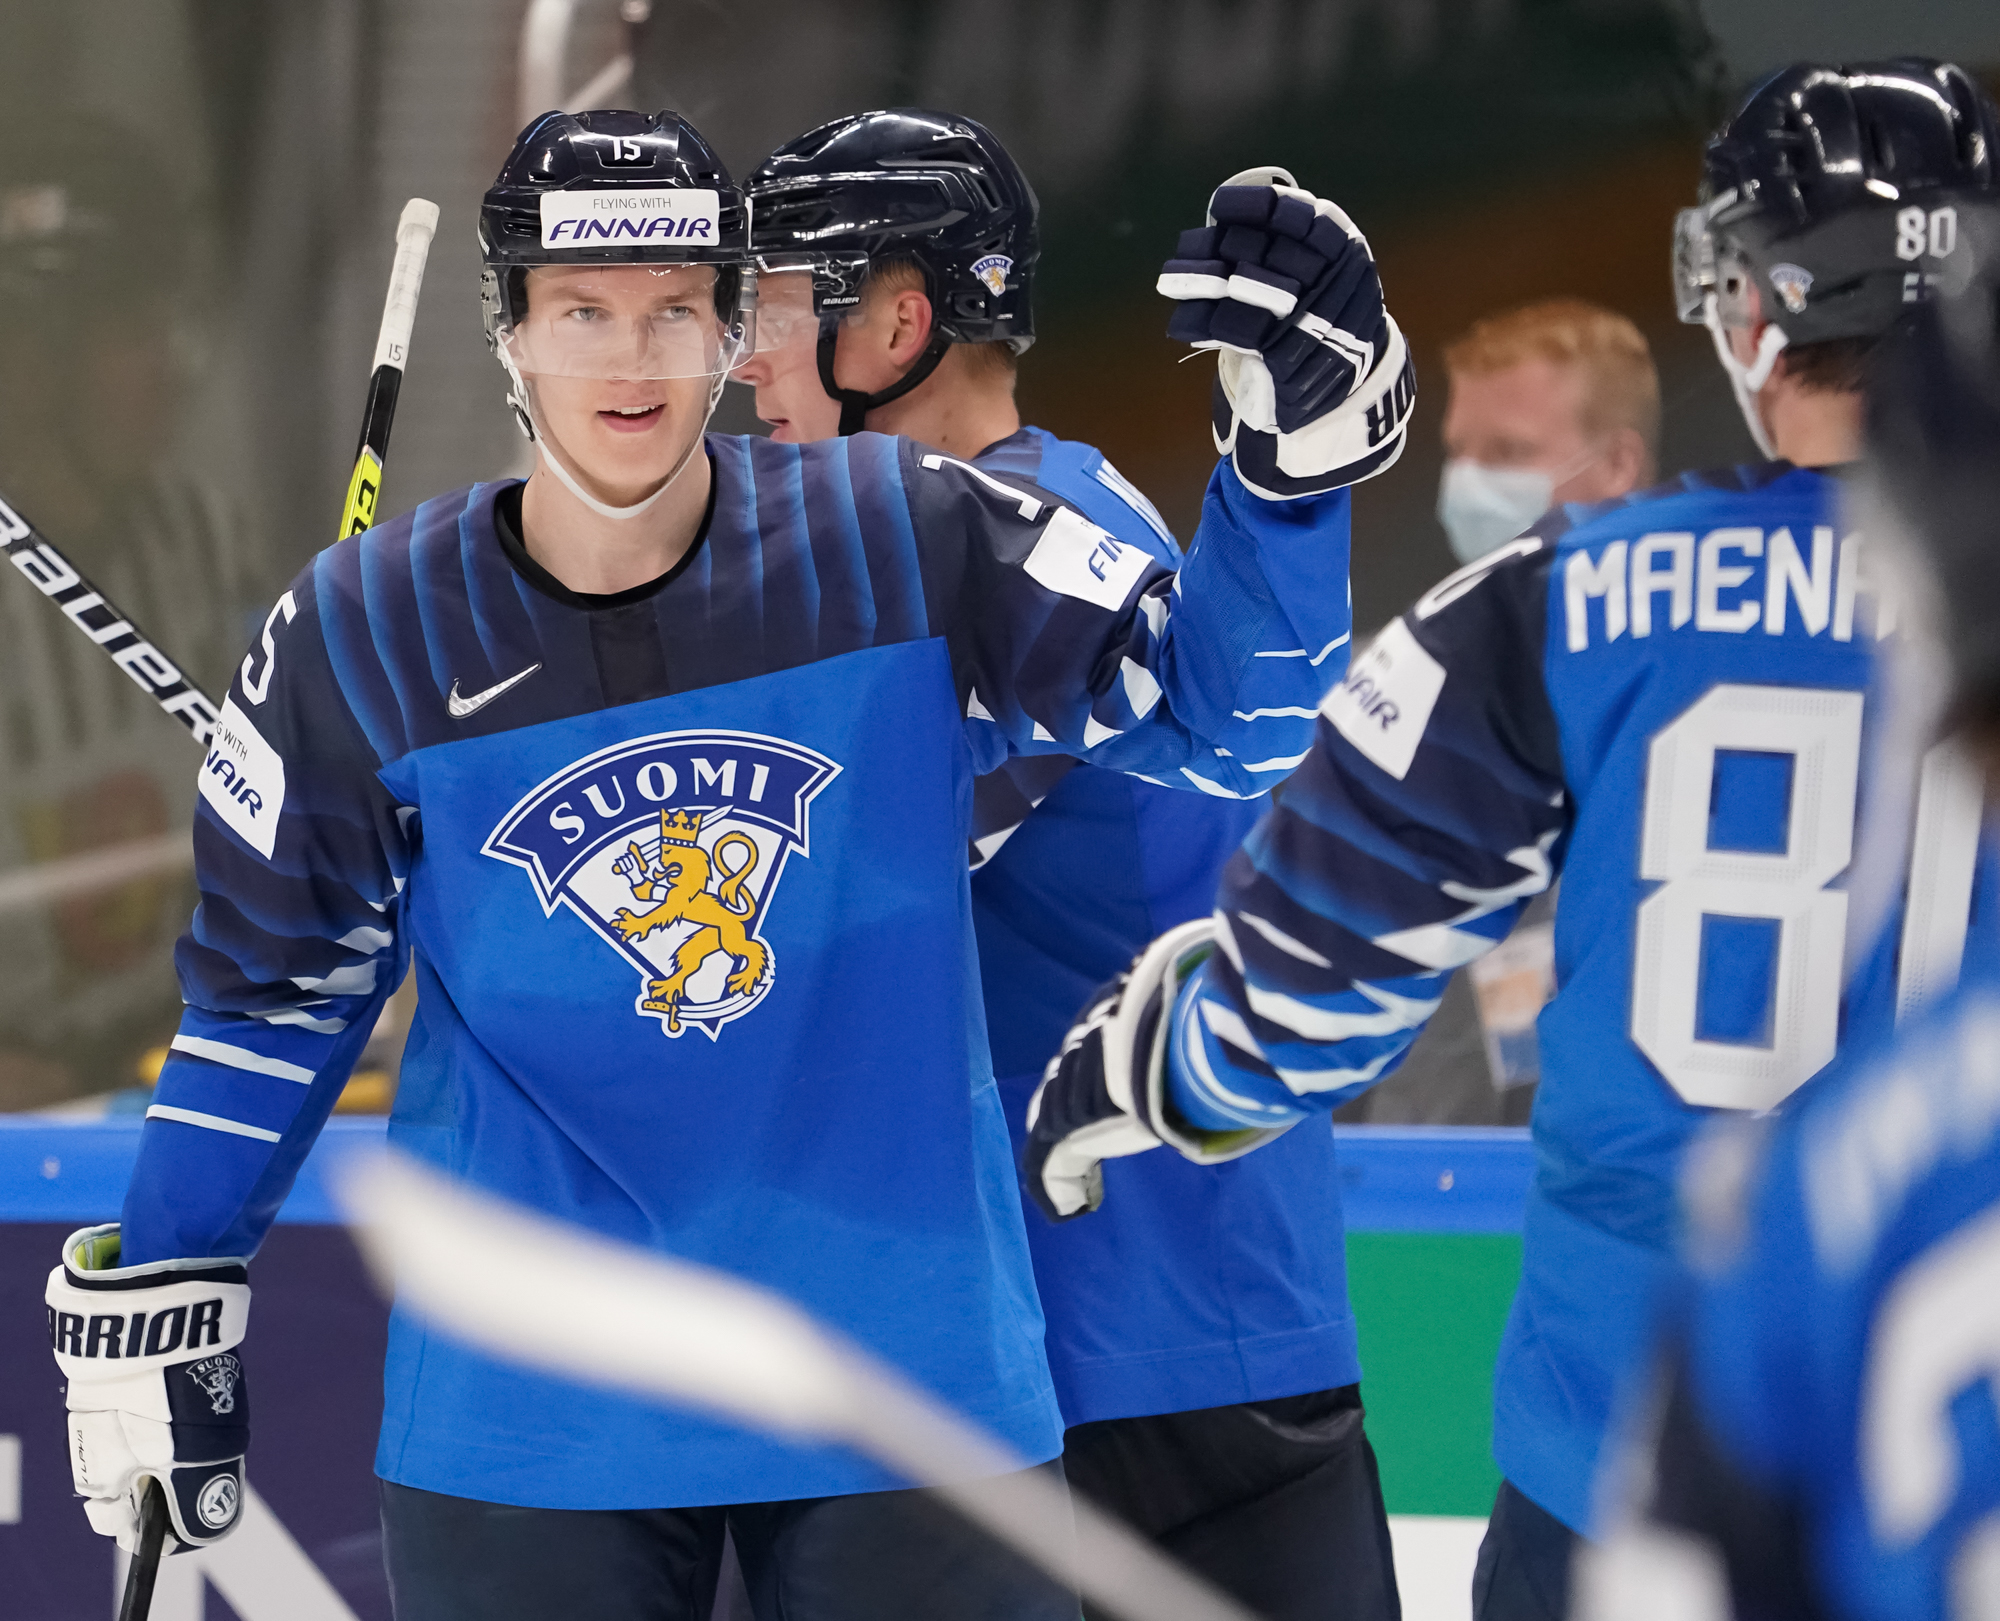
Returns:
<point x="627" y="322"/>
<point x="1694" y="265"/>
<point x="1713" y="287"/>
<point x="645" y="328"/>
<point x="805" y="295"/>
<point x="787" y="316"/>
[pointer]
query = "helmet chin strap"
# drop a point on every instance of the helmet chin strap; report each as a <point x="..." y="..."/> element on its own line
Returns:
<point x="855" y="405"/>
<point x="524" y="414"/>
<point x="1747" y="381"/>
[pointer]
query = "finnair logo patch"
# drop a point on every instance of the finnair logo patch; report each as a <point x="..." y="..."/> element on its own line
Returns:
<point x="629" y="216"/>
<point x="1385" y="704"/>
<point x="1078" y="559"/>
<point x="243" y="779"/>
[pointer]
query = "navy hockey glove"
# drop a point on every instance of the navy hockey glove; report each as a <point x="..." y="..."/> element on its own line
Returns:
<point x="155" y="1387"/>
<point x="1105" y="1093"/>
<point x="1314" y="383"/>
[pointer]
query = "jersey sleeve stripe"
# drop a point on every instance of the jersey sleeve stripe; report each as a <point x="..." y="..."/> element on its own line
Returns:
<point x="221" y="1052"/>
<point x="1277" y="936"/>
<point x="1305" y="653"/>
<point x="1126" y="491"/>
<point x="1436" y="945"/>
<point x="329" y="1025"/>
<point x="1315" y="1024"/>
<point x="1225" y="1103"/>
<point x="211" y="1122"/>
<point x="1209" y="786"/>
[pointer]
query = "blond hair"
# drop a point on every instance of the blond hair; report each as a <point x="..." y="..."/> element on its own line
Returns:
<point x="1621" y="386"/>
<point x="906" y="276"/>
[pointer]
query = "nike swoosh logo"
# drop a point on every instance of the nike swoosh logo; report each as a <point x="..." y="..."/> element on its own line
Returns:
<point x="461" y="707"/>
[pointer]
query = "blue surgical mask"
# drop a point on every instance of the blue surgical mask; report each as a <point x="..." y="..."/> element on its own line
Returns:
<point x="1484" y="507"/>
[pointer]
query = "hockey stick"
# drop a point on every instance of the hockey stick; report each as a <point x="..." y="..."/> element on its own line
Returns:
<point x="110" y="628"/>
<point x="392" y="349"/>
<point x="556" y="1297"/>
<point x="58" y="579"/>
<point x="144" y="1570"/>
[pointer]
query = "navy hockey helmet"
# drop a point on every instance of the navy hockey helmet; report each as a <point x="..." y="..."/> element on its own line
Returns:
<point x="930" y="189"/>
<point x="609" y="191"/>
<point x="613" y="188"/>
<point x="1838" y="195"/>
<point x="1834" y="198"/>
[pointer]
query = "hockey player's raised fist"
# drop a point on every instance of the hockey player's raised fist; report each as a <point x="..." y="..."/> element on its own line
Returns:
<point x="1315" y="385"/>
<point x="155" y="1385"/>
<point x="1104" y="1095"/>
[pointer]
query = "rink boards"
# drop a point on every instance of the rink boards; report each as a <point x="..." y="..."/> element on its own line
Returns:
<point x="1433" y="1252"/>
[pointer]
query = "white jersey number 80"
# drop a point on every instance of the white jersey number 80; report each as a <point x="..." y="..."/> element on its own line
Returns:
<point x="1821" y="730"/>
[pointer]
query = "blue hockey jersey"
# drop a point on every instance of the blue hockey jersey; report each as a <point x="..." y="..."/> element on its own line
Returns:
<point x="1191" y="1288"/>
<point x="683" y="874"/>
<point x="1826" y="1439"/>
<point x="1663" y="698"/>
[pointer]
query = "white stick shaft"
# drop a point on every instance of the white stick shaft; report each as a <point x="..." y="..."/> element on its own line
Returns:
<point x="1079" y="1545"/>
<point x="399" y="312"/>
<point x="553" y="1296"/>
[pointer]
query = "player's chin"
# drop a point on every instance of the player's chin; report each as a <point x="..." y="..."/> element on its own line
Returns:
<point x="624" y="458"/>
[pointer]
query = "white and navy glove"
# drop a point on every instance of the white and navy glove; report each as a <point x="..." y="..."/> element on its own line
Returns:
<point x="1105" y="1093"/>
<point x="1314" y="383"/>
<point x="155" y="1387"/>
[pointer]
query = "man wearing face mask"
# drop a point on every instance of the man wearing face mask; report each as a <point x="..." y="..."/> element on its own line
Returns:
<point x="1551" y="403"/>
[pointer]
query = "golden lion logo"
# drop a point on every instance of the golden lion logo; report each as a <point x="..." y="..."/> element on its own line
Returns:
<point x="992" y="272"/>
<point x="676" y="882"/>
<point x="671" y="848"/>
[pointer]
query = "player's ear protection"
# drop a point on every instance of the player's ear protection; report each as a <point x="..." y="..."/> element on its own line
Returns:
<point x="855" y="405"/>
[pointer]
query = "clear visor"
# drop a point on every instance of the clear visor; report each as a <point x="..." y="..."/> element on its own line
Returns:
<point x="1694" y="264"/>
<point x="800" y="289"/>
<point x="630" y="322"/>
<point x="786" y="318"/>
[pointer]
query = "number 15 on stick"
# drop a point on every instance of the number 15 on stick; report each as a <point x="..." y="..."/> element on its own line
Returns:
<point x="392" y="348"/>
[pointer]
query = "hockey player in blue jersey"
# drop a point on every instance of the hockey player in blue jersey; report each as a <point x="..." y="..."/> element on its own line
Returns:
<point x="1218" y="1411"/>
<point x="1824" y="1440"/>
<point x="1662" y="698"/>
<point x="658" y="769"/>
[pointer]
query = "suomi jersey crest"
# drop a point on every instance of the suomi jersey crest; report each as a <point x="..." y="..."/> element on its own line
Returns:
<point x="670" y="848"/>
